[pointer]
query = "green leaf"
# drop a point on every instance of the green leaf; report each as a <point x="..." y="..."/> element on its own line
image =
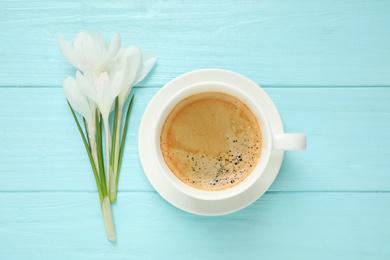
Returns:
<point x="87" y="132"/>
<point x="89" y="154"/>
<point x="114" y="130"/>
<point x="123" y="139"/>
<point x="99" y="146"/>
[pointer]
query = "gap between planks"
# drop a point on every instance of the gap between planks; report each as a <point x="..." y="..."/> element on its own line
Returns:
<point x="263" y="86"/>
<point x="153" y="191"/>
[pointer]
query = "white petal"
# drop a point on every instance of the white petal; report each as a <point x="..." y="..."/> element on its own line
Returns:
<point x="133" y="66"/>
<point x="86" y="49"/>
<point x="103" y="84"/>
<point x="120" y="61"/>
<point x="76" y="99"/>
<point x="113" y="47"/>
<point x="116" y="86"/>
<point x="101" y="81"/>
<point x="125" y="52"/>
<point x="87" y="87"/>
<point x="149" y="59"/>
<point x="100" y="42"/>
<point x="112" y="107"/>
<point x="92" y="107"/>
<point x="69" y="53"/>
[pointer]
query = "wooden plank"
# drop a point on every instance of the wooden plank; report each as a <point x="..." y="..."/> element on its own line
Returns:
<point x="294" y="225"/>
<point x="347" y="132"/>
<point x="275" y="43"/>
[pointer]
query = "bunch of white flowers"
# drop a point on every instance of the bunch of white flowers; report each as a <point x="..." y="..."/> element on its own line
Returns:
<point x="104" y="78"/>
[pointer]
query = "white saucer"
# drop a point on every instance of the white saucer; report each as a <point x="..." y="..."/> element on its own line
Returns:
<point x="161" y="184"/>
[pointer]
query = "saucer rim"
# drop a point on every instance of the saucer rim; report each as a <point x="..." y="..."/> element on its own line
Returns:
<point x="166" y="189"/>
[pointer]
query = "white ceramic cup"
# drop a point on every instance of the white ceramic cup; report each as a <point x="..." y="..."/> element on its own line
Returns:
<point x="270" y="141"/>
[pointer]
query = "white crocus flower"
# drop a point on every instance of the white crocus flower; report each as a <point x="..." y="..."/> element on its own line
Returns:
<point x="91" y="55"/>
<point x="84" y="107"/>
<point x="77" y="99"/>
<point x="89" y="51"/>
<point x="136" y="66"/>
<point x="102" y="88"/>
<point x="104" y="73"/>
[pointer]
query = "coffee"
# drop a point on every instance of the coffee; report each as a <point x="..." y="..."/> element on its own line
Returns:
<point x="211" y="141"/>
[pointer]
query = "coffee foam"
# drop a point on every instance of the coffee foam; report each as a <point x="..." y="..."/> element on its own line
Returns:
<point x="211" y="141"/>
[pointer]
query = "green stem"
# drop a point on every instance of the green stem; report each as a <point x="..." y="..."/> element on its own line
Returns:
<point x="91" y="134"/>
<point x="87" y="132"/>
<point x="95" y="155"/>
<point x="107" y="138"/>
<point x="114" y="136"/>
<point x="115" y="151"/>
<point x="117" y="145"/>
<point x="108" y="220"/>
<point x="95" y="173"/>
<point x="123" y="139"/>
<point x="99" y="144"/>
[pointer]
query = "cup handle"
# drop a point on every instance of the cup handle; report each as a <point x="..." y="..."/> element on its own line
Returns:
<point x="289" y="142"/>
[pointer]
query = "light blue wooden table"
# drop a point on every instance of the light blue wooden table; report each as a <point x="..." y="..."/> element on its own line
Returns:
<point x="326" y="65"/>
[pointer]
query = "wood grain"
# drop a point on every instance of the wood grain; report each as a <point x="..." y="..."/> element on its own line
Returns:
<point x="347" y="131"/>
<point x="63" y="225"/>
<point x="324" y="63"/>
<point x="275" y="43"/>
